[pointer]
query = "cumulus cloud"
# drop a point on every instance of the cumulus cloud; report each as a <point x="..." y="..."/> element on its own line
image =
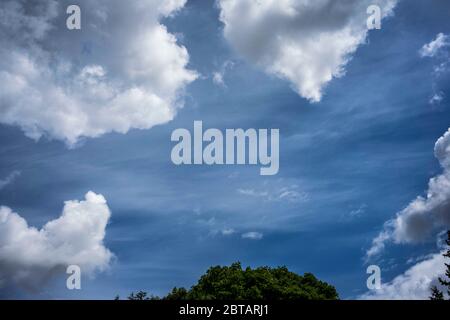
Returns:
<point x="252" y="235"/>
<point x="9" y="179"/>
<point x="426" y="214"/>
<point x="414" y="283"/>
<point x="305" y="42"/>
<point x="122" y="70"/>
<point x="29" y="256"/>
<point x="432" y="48"/>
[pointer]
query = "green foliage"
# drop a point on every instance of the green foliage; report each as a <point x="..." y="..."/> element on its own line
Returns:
<point x="234" y="283"/>
<point x="177" y="294"/>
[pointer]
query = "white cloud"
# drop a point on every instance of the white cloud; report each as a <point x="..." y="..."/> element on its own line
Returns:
<point x="29" y="256"/>
<point x="253" y="193"/>
<point x="426" y="214"/>
<point x="414" y="283"/>
<point x="436" y="98"/>
<point x="434" y="47"/>
<point x="9" y="179"/>
<point x="441" y="58"/>
<point x="228" y="231"/>
<point x="356" y="213"/>
<point x="305" y="42"/>
<point x="218" y="76"/>
<point x="252" y="235"/>
<point x="290" y="193"/>
<point x="379" y="242"/>
<point x="123" y="70"/>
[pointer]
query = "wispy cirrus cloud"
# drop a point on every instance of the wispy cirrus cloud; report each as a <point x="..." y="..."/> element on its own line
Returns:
<point x="252" y="235"/>
<point x="9" y="179"/>
<point x="276" y="193"/>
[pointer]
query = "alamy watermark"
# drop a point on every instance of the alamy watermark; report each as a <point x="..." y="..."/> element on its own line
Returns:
<point x="74" y="279"/>
<point x="241" y="147"/>
<point x="73" y="21"/>
<point x="374" y="20"/>
<point x="374" y="280"/>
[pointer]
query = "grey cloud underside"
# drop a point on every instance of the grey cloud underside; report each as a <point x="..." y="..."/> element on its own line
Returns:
<point x="425" y="215"/>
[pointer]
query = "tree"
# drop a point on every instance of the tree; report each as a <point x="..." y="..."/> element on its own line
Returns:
<point x="177" y="294"/>
<point x="235" y="283"/>
<point x="446" y="282"/>
<point x="141" y="295"/>
<point x="436" y="294"/>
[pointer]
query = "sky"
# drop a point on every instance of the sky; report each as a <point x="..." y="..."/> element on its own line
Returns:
<point x="86" y="118"/>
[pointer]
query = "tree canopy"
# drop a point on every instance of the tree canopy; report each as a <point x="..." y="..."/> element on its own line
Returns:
<point x="235" y="283"/>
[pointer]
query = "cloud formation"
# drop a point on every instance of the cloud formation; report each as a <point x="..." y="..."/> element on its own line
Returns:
<point x="433" y="48"/>
<point x="9" y="179"/>
<point x="252" y="235"/>
<point x="276" y="193"/>
<point x="413" y="284"/>
<point x="305" y="42"/>
<point x="29" y="256"/>
<point x="122" y="70"/>
<point x="218" y="77"/>
<point x="426" y="214"/>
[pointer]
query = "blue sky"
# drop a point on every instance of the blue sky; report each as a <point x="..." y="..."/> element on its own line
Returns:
<point x="350" y="162"/>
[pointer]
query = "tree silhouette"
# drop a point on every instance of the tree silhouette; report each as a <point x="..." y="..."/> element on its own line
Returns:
<point x="141" y="295"/>
<point x="436" y="294"/>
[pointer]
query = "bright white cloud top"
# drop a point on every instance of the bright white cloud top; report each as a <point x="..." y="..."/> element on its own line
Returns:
<point x="305" y="42"/>
<point x="122" y="70"/>
<point x="29" y="256"/>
